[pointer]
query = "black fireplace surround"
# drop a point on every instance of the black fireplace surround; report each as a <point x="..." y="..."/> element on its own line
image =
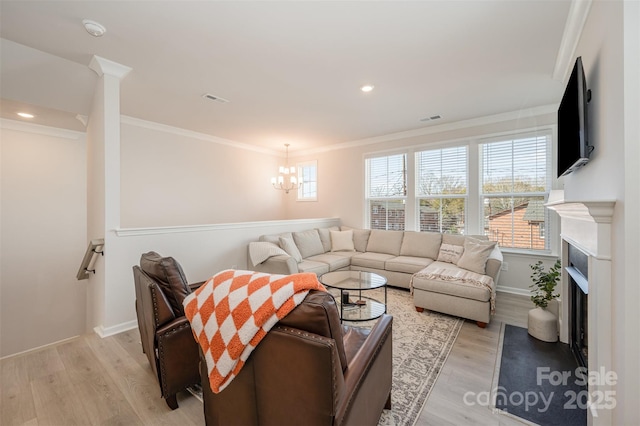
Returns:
<point x="578" y="272"/>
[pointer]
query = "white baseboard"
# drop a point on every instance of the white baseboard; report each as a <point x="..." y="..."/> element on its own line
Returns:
<point x="513" y="290"/>
<point x="115" y="329"/>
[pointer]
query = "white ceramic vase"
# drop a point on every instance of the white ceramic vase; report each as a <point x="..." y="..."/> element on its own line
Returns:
<point x="543" y="324"/>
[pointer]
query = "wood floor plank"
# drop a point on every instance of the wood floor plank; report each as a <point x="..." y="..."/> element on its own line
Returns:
<point x="138" y="384"/>
<point x="91" y="380"/>
<point x="57" y="402"/>
<point x="16" y="403"/>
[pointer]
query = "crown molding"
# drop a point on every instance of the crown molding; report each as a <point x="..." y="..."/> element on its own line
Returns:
<point x="578" y="12"/>
<point x="6" y="123"/>
<point x="463" y="124"/>
<point x="151" y="125"/>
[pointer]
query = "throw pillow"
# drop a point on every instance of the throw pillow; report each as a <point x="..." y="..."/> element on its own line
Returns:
<point x="342" y="241"/>
<point x="475" y="255"/>
<point x="289" y="246"/>
<point x="360" y="237"/>
<point x="325" y="237"/>
<point x="308" y="242"/>
<point x="450" y="253"/>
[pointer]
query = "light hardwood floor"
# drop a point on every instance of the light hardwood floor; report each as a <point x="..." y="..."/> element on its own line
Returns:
<point x="94" y="381"/>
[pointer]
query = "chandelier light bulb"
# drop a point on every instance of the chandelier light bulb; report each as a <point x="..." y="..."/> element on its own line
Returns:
<point x="287" y="179"/>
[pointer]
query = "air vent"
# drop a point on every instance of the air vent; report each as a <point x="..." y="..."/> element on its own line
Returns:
<point x="215" y="98"/>
<point x="433" y="117"/>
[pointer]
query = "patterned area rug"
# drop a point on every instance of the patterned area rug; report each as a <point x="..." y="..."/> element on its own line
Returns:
<point x="421" y="345"/>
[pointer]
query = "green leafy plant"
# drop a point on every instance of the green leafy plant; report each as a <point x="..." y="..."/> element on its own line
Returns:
<point x="544" y="283"/>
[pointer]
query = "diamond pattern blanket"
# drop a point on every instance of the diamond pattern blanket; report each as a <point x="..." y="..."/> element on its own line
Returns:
<point x="233" y="311"/>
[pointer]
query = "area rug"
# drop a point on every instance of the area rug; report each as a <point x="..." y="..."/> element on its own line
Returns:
<point x="421" y="345"/>
<point x="539" y="381"/>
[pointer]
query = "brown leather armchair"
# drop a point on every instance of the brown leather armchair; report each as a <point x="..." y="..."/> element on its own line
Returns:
<point x="165" y="332"/>
<point x="309" y="370"/>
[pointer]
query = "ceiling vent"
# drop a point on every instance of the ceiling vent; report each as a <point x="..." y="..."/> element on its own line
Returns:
<point x="433" y="117"/>
<point x="215" y="98"/>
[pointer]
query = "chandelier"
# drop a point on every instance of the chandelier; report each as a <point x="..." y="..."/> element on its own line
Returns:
<point x="286" y="179"/>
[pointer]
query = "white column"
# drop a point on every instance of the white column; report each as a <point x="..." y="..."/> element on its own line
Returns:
<point x="103" y="184"/>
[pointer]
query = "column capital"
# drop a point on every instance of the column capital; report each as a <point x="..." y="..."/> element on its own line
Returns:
<point x="103" y="66"/>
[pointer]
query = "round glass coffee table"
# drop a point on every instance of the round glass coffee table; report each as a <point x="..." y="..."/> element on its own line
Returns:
<point x="354" y="305"/>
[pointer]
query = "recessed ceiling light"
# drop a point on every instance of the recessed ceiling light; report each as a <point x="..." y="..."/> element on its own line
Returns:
<point x="94" y="28"/>
<point x="366" y="88"/>
<point x="26" y="115"/>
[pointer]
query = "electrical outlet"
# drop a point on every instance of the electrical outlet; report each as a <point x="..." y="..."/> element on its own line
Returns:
<point x="505" y="266"/>
<point x="234" y="266"/>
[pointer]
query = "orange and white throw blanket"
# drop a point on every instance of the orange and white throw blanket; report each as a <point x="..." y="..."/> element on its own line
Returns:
<point x="233" y="311"/>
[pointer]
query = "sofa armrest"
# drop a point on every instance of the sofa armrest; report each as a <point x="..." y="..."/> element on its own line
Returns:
<point x="177" y="356"/>
<point x="282" y="264"/>
<point x="494" y="264"/>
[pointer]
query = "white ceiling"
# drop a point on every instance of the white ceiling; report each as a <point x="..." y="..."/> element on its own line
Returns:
<point x="291" y="70"/>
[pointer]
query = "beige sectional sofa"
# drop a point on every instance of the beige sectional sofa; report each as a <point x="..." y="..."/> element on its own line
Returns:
<point x="447" y="273"/>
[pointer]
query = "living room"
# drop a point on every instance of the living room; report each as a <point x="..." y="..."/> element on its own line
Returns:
<point x="202" y="197"/>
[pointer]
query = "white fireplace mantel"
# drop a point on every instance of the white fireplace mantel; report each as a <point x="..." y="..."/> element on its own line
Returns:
<point x="586" y="225"/>
<point x="594" y="211"/>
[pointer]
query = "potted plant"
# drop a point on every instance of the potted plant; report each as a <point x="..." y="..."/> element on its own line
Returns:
<point x="542" y="323"/>
<point x="544" y="283"/>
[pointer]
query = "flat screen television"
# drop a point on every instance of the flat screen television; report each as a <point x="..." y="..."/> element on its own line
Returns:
<point x="573" y="136"/>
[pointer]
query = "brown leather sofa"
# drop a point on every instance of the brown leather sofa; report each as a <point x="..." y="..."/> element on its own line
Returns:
<point x="165" y="332"/>
<point x="309" y="370"/>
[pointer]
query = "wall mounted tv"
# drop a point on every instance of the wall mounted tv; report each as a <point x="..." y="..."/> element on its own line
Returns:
<point x="573" y="136"/>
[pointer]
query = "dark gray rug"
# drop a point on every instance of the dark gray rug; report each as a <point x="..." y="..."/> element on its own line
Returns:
<point x="539" y="382"/>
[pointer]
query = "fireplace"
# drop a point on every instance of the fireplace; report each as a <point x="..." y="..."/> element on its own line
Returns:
<point x="578" y="273"/>
<point x="585" y="293"/>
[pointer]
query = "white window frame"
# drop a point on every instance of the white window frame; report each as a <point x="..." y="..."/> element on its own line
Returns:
<point x="440" y="196"/>
<point x="306" y="183"/>
<point x="369" y="199"/>
<point x="548" y="134"/>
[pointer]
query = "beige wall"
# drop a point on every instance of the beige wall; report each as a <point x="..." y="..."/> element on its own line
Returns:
<point x="43" y="235"/>
<point x="172" y="177"/>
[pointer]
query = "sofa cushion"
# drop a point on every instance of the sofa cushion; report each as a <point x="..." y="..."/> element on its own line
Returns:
<point x="342" y="241"/>
<point x="381" y="241"/>
<point x="288" y="245"/>
<point x="475" y="255"/>
<point x="421" y="244"/>
<point x="170" y="276"/>
<point x="453" y="288"/>
<point x="325" y="237"/>
<point x="407" y="264"/>
<point x="317" y="268"/>
<point x="371" y="260"/>
<point x="308" y="242"/>
<point x="450" y="253"/>
<point x="360" y="237"/>
<point x="334" y="261"/>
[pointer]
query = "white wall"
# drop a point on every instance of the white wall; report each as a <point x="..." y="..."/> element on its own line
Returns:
<point x="609" y="50"/>
<point x="173" y="177"/>
<point x="43" y="235"/>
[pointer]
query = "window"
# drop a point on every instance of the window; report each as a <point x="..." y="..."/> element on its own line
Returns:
<point x="441" y="189"/>
<point x="386" y="191"/>
<point x="515" y="181"/>
<point x="308" y="176"/>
